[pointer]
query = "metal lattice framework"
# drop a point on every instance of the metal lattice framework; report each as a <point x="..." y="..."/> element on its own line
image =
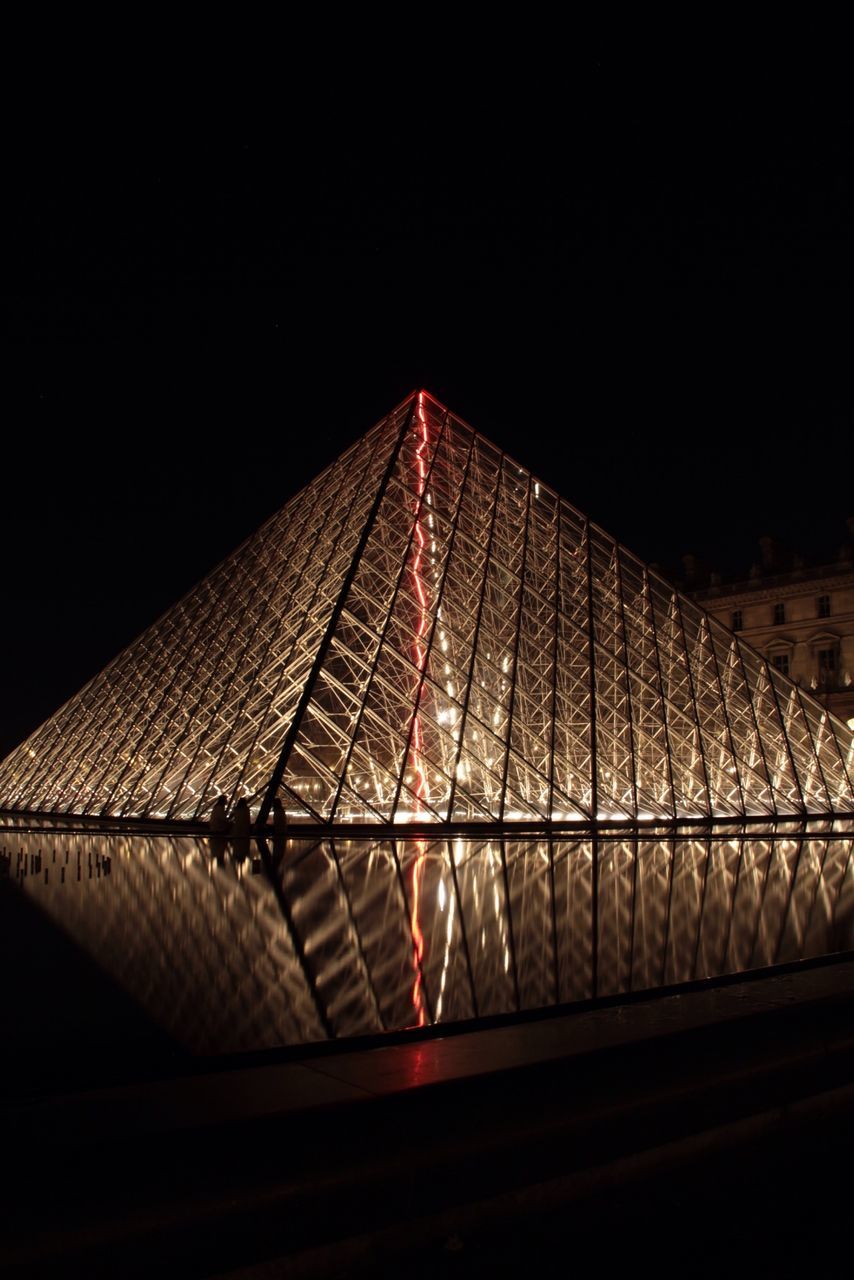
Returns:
<point x="428" y="633"/>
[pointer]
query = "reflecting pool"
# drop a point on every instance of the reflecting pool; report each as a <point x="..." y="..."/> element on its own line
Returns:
<point x="231" y="946"/>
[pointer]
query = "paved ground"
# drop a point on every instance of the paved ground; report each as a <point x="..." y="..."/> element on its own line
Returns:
<point x="702" y="1132"/>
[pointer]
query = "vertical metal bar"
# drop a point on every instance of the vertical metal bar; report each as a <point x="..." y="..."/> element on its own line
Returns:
<point x="375" y="1000"/>
<point x="463" y="931"/>
<point x="323" y="648"/>
<point x="502" y="801"/>
<point x="555" y="650"/>
<point x="736" y="649"/>
<point x="815" y="750"/>
<point x="843" y="878"/>
<point x="734" y="898"/>
<point x="700" y="741"/>
<point x="818" y="883"/>
<point x="668" y="908"/>
<point x="474" y="643"/>
<point x="795" y="774"/>
<point x="762" y="896"/>
<point x="661" y="698"/>
<point x="735" y="763"/>
<point x="709" y="850"/>
<point x="594" y="779"/>
<point x="635" y="841"/>
<point x="832" y="734"/>
<point x="785" y="917"/>
<point x="618" y="585"/>
<point x="506" y="879"/>
<point x="553" y="892"/>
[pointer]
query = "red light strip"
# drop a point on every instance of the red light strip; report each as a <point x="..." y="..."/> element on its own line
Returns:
<point x="419" y="649"/>
<point x="417" y="936"/>
<point x="419" y="656"/>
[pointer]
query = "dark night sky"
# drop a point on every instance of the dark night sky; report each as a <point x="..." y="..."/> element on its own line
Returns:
<point x="649" y="306"/>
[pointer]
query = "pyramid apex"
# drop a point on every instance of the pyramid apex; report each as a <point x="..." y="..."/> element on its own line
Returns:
<point x="422" y="392"/>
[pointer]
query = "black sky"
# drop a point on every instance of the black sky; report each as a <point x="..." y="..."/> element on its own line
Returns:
<point x="647" y="305"/>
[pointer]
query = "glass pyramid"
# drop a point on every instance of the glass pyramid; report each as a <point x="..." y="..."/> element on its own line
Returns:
<point x="425" y="634"/>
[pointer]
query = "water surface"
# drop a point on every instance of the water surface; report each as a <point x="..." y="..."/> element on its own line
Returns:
<point x="230" y="947"/>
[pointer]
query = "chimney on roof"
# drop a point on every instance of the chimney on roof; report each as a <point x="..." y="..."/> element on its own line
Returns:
<point x="769" y="550"/>
<point x="846" y="551"/>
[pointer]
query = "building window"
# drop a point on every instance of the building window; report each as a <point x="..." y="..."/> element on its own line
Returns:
<point x="779" y="614"/>
<point x="737" y="620"/>
<point x="826" y="660"/>
<point x="781" y="662"/>
<point x="824" y="606"/>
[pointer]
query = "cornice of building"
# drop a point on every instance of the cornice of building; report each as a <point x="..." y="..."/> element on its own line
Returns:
<point x="798" y="582"/>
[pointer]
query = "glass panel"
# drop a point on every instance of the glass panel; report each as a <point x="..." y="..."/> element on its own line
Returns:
<point x="458" y="643"/>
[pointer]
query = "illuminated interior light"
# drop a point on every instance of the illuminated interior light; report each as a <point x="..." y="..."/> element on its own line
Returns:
<point x="441" y="895"/>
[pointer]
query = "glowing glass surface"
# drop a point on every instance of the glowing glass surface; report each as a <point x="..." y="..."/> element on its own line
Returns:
<point x="426" y="633"/>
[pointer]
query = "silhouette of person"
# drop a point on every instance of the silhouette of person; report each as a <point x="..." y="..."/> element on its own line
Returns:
<point x="241" y="821"/>
<point x="280" y="818"/>
<point x="218" y="821"/>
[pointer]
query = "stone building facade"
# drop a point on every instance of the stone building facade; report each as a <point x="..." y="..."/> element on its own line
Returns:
<point x="799" y="616"/>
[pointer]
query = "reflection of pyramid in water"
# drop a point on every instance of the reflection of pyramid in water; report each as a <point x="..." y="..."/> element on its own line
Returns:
<point x="428" y="633"/>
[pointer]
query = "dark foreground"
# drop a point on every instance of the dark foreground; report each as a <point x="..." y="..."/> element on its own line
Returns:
<point x="703" y="1133"/>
